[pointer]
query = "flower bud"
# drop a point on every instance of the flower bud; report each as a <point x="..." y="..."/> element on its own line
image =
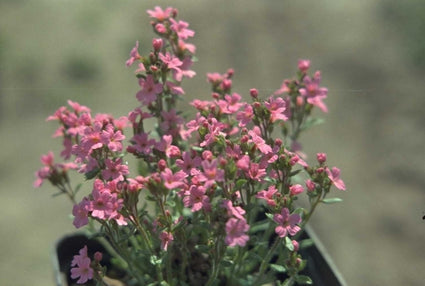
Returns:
<point x="278" y="142"/>
<point x="253" y="92"/>
<point x="98" y="256"/>
<point x="296" y="245"/>
<point x="230" y="73"/>
<point x="157" y="44"/>
<point x="296" y="189"/>
<point x="226" y="84"/>
<point x="162" y="165"/>
<point x="207" y="155"/>
<point x="320" y="170"/>
<point x="310" y="185"/>
<point x="300" y="101"/>
<point x="321" y="157"/>
<point x="303" y="65"/>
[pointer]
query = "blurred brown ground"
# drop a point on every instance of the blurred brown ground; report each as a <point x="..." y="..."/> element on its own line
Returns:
<point x="372" y="61"/>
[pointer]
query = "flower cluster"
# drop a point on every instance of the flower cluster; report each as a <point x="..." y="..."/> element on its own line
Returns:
<point x="207" y="191"/>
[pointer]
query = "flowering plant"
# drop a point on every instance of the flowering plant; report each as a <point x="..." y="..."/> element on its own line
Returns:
<point x="213" y="199"/>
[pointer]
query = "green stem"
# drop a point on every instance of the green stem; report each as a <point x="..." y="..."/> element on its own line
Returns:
<point x="266" y="260"/>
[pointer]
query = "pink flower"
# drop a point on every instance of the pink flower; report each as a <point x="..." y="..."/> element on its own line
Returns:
<point x="210" y="173"/>
<point x="187" y="163"/>
<point x="166" y="238"/>
<point x="160" y="14"/>
<point x="181" y="29"/>
<point x="236" y="232"/>
<point x="256" y="172"/>
<point x="303" y="65"/>
<point x="313" y="92"/>
<point x="112" y="138"/>
<point x="296" y="189"/>
<point x="173" y="180"/>
<point x="259" y="142"/>
<point x="334" y="176"/>
<point x="245" y="116"/>
<point x="283" y="88"/>
<point x="115" y="170"/>
<point x="311" y="186"/>
<point x="165" y="145"/>
<point x="196" y="199"/>
<point x="184" y="69"/>
<point x="80" y="213"/>
<point x="171" y="62"/>
<point x="83" y="271"/>
<point x="276" y="107"/>
<point x="134" y="55"/>
<point x="236" y="212"/>
<point x="149" y="91"/>
<point x="268" y="195"/>
<point x="230" y="104"/>
<point x="287" y="223"/>
<point x="142" y="144"/>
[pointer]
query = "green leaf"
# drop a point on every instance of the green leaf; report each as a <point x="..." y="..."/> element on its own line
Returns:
<point x="93" y="173"/>
<point x="306" y="243"/>
<point x="269" y="215"/>
<point x="288" y="244"/>
<point x="310" y="122"/>
<point x="227" y="262"/>
<point x="277" y="268"/>
<point x="303" y="279"/>
<point x="331" y="200"/>
<point x="240" y="183"/>
<point x="155" y="260"/>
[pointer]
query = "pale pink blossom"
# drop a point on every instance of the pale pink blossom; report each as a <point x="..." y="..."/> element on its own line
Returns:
<point x="303" y="65"/>
<point x="115" y="170"/>
<point x="82" y="268"/>
<point x="313" y="92"/>
<point x="173" y="180"/>
<point x="276" y="107"/>
<point x="160" y="14"/>
<point x="235" y="211"/>
<point x="181" y="28"/>
<point x="80" y="213"/>
<point x="196" y="199"/>
<point x="287" y="224"/>
<point x="236" y="232"/>
<point x="134" y="55"/>
<point x="165" y="237"/>
<point x="149" y="90"/>
<point x="334" y="176"/>
<point x="268" y="195"/>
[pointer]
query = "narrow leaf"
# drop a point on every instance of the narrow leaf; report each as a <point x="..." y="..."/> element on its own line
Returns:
<point x="303" y="279"/>
<point x="331" y="200"/>
<point x="278" y="268"/>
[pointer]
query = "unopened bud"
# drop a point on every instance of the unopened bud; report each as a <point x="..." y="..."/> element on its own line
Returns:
<point x="157" y="44"/>
<point x="162" y="165"/>
<point x="98" y="256"/>
<point x="303" y="65"/>
<point x="226" y="84"/>
<point x="253" y="92"/>
<point x="321" y="158"/>
<point x="296" y="245"/>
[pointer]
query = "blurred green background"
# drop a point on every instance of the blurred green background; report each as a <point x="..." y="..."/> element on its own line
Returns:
<point x="372" y="57"/>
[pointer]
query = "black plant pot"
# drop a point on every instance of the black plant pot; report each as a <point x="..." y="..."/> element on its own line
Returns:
<point x="320" y="267"/>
